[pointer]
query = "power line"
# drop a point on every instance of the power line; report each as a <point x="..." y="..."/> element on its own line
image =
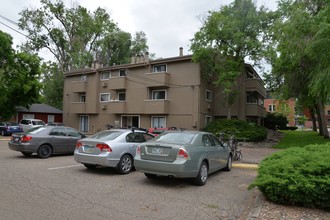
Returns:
<point x="12" y="22"/>
<point x="9" y="20"/>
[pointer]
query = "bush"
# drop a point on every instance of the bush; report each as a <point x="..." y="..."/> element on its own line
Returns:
<point x="297" y="176"/>
<point x="241" y="129"/>
<point x="275" y="121"/>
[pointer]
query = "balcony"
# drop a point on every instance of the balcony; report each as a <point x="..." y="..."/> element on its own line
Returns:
<point x="255" y="110"/>
<point x="158" y="79"/>
<point x="117" y="83"/>
<point x="78" y="86"/>
<point x="255" y="85"/>
<point x="117" y="107"/>
<point x="82" y="108"/>
<point x="156" y="107"/>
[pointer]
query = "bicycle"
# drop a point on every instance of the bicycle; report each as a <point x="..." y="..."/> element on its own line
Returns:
<point x="233" y="144"/>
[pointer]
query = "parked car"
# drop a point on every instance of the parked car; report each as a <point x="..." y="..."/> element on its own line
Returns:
<point x="111" y="148"/>
<point x="46" y="140"/>
<point x="8" y="128"/>
<point x="158" y="131"/>
<point x="183" y="154"/>
<point x="27" y="124"/>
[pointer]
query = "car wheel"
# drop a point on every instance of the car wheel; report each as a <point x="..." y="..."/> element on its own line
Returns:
<point x="201" y="178"/>
<point x="44" y="151"/>
<point x="90" y="166"/>
<point x="150" y="175"/>
<point x="229" y="163"/>
<point x="125" y="164"/>
<point x="3" y="133"/>
<point x="26" y="154"/>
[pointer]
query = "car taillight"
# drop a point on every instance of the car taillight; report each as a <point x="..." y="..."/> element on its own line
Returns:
<point x="26" y="138"/>
<point x="78" y="144"/>
<point x="104" y="147"/>
<point x="138" y="150"/>
<point x="183" y="154"/>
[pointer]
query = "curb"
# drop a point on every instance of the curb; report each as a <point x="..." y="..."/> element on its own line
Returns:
<point x="244" y="165"/>
<point x="257" y="206"/>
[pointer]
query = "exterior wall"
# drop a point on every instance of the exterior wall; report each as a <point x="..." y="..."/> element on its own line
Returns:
<point x="185" y="104"/>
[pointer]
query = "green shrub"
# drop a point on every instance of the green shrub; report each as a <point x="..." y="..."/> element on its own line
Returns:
<point x="275" y="121"/>
<point x="241" y="129"/>
<point x="297" y="176"/>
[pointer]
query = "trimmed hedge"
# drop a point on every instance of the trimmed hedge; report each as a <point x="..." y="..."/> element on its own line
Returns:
<point x="297" y="176"/>
<point x="241" y="129"/>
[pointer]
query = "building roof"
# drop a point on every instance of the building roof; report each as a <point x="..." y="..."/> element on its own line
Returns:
<point x="40" y="108"/>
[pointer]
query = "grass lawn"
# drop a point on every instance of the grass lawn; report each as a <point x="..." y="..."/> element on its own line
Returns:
<point x="300" y="139"/>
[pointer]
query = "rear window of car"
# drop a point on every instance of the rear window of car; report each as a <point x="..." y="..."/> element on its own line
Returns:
<point x="106" y="135"/>
<point x="182" y="138"/>
<point x="12" y="124"/>
<point x="36" y="130"/>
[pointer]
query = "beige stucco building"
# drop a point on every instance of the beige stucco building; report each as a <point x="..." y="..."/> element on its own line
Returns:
<point x="145" y="93"/>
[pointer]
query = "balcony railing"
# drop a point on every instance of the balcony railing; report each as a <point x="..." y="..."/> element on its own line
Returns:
<point x="156" y="107"/>
<point x="82" y="108"/>
<point x="117" y="107"/>
<point x="252" y="109"/>
<point x="158" y="79"/>
<point x="78" y="86"/>
<point x="255" y="85"/>
<point x="117" y="83"/>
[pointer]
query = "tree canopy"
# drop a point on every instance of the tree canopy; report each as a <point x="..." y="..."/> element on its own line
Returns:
<point x="227" y="38"/>
<point x="19" y="78"/>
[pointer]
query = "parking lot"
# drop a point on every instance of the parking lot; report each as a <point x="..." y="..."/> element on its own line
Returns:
<point x="59" y="188"/>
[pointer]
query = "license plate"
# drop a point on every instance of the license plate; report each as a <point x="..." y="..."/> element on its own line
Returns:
<point x="157" y="150"/>
<point x="88" y="149"/>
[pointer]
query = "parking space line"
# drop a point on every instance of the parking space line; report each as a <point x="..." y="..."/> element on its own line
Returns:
<point x="70" y="166"/>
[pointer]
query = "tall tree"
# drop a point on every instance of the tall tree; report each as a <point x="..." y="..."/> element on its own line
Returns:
<point x="299" y="34"/>
<point x="227" y="38"/>
<point x="19" y="78"/>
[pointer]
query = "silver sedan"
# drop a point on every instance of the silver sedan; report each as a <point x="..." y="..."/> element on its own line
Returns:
<point x="110" y="148"/>
<point x="183" y="154"/>
<point x="45" y="141"/>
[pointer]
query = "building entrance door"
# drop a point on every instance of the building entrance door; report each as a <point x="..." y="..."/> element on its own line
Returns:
<point x="130" y="121"/>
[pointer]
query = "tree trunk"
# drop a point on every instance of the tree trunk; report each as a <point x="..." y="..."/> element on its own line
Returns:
<point x="322" y="120"/>
<point x="312" y="112"/>
<point x="229" y="112"/>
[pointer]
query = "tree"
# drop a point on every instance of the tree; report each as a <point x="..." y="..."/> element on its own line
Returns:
<point x="19" y="78"/>
<point x="299" y="34"/>
<point x="226" y="39"/>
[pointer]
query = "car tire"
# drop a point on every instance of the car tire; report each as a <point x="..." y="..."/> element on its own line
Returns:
<point x="125" y="164"/>
<point x="202" y="176"/>
<point x="3" y="133"/>
<point x="44" y="151"/>
<point x="90" y="166"/>
<point x="150" y="175"/>
<point x="229" y="163"/>
<point x="26" y="154"/>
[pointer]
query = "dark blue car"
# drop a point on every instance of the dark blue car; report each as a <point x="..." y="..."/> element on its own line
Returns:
<point x="8" y="128"/>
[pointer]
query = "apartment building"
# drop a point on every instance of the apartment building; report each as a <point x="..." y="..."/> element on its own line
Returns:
<point x="168" y="92"/>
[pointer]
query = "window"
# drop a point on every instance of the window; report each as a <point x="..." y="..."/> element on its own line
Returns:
<point x="158" y="95"/>
<point x="83" y="78"/>
<point x="158" y="122"/>
<point x="121" y="96"/>
<point x="252" y="97"/>
<point x="159" y="68"/>
<point x="82" y="98"/>
<point x="208" y="95"/>
<point x="328" y="112"/>
<point x="83" y="123"/>
<point x="271" y="108"/>
<point x="208" y="120"/>
<point x="105" y="75"/>
<point x="50" y="118"/>
<point x="58" y="132"/>
<point x="73" y="133"/>
<point x="104" y="97"/>
<point x="122" y="72"/>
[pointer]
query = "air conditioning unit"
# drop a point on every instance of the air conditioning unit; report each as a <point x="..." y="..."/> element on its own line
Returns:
<point x="104" y="107"/>
<point x="104" y="84"/>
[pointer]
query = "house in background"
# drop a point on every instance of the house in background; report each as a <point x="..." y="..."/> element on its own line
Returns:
<point x="286" y="107"/>
<point x="168" y="92"/>
<point x="40" y="111"/>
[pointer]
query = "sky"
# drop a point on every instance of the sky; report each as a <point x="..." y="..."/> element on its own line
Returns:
<point x="168" y="24"/>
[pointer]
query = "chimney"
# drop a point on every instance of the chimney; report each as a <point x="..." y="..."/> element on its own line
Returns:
<point x="181" y="51"/>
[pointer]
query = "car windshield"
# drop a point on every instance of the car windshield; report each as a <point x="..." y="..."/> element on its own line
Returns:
<point x="36" y="130"/>
<point x="181" y="138"/>
<point x="106" y="135"/>
<point x="11" y="124"/>
<point x="38" y="123"/>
